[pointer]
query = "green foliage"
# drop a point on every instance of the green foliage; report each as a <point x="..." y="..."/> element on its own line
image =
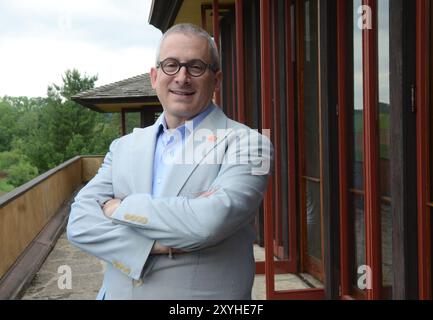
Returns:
<point x="132" y="121"/>
<point x="20" y="173"/>
<point x="8" y="158"/>
<point x="37" y="134"/>
<point x="16" y="169"/>
<point x="5" y="187"/>
<point x="73" y="83"/>
<point x="8" y="115"/>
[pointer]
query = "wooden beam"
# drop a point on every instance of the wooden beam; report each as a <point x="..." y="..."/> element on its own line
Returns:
<point x="424" y="236"/>
<point x="342" y="147"/>
<point x="203" y="17"/>
<point x="265" y="67"/>
<point x="275" y="107"/>
<point x="302" y="294"/>
<point x="371" y="154"/>
<point x="291" y="140"/>
<point x="216" y="36"/>
<point x="239" y="10"/>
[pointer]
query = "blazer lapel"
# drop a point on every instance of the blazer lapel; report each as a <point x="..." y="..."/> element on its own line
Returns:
<point x="185" y="163"/>
<point x="142" y="158"/>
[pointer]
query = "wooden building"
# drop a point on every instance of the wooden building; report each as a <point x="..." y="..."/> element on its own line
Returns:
<point x="129" y="97"/>
<point x="346" y="89"/>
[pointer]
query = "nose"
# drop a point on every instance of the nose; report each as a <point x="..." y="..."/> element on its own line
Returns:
<point x="182" y="77"/>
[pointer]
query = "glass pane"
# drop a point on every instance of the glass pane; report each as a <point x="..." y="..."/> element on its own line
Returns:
<point x="311" y="81"/>
<point x="310" y="130"/>
<point x="386" y="228"/>
<point x="294" y="56"/>
<point x="252" y="64"/>
<point x="314" y="243"/>
<point x="356" y="213"/>
<point x="384" y="134"/>
<point x="283" y="120"/>
<point x="132" y="120"/>
<point x="356" y="207"/>
<point x="356" y="148"/>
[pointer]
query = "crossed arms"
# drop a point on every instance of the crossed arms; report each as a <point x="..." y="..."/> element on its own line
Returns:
<point x="173" y="222"/>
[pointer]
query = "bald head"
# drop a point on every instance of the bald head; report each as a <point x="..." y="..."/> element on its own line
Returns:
<point x="192" y="29"/>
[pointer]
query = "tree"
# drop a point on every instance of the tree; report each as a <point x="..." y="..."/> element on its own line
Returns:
<point x="5" y="187"/>
<point x="15" y="169"/>
<point x="63" y="117"/>
<point x="7" y="159"/>
<point x="73" y="83"/>
<point x="8" y="116"/>
<point x="20" y="173"/>
<point x="37" y="134"/>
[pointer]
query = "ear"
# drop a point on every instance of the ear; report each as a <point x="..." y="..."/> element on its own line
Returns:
<point x="153" y="76"/>
<point x="218" y="79"/>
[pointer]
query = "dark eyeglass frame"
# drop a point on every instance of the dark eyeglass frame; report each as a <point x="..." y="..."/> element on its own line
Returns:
<point x="187" y="65"/>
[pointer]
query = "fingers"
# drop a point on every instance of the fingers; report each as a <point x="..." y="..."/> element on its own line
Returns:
<point x="207" y="193"/>
<point x="110" y="206"/>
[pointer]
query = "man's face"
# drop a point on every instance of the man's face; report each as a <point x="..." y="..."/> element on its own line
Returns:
<point x="181" y="95"/>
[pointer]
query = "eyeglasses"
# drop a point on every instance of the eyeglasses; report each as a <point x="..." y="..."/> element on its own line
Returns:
<point x="195" y="68"/>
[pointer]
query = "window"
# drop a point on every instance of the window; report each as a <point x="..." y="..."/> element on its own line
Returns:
<point x="384" y="106"/>
<point x="310" y="143"/>
<point x="280" y="105"/>
<point x="356" y="154"/>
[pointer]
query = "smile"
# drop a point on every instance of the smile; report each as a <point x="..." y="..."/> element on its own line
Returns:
<point x="182" y="93"/>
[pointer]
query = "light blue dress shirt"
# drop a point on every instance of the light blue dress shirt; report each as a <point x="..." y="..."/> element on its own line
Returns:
<point x="169" y="143"/>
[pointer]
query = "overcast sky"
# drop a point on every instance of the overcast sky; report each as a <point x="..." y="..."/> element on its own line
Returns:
<point x="40" y="39"/>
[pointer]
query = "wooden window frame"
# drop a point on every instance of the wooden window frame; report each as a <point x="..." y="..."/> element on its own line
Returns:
<point x="422" y="95"/>
<point x="240" y="75"/>
<point x="403" y="149"/>
<point x="144" y="116"/>
<point x="291" y="139"/>
<point x="309" y="262"/>
<point x="329" y="100"/>
<point x="216" y="34"/>
<point x="228" y="64"/>
<point x="402" y="153"/>
<point x="371" y="154"/>
<point x="266" y="107"/>
<point x="276" y="132"/>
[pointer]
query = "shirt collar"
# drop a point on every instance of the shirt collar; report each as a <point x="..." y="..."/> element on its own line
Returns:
<point x="185" y="130"/>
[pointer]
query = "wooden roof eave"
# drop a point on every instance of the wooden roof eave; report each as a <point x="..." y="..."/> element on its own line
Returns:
<point x="96" y="104"/>
<point x="163" y="13"/>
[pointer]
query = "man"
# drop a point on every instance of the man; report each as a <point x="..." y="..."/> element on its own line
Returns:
<point x="170" y="209"/>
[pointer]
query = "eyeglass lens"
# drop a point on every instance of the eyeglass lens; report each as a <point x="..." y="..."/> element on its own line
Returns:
<point x="194" y="67"/>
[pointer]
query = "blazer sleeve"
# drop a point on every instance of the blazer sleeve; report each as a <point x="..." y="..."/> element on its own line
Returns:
<point x="192" y="224"/>
<point x="90" y="230"/>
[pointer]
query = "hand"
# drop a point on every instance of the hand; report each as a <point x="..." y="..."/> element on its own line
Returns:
<point x="160" y="249"/>
<point x="206" y="194"/>
<point x="110" y="206"/>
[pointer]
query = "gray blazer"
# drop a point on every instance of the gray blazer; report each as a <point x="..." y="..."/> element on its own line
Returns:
<point x="215" y="231"/>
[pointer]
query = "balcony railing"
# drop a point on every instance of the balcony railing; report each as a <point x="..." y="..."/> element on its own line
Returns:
<point x="28" y="209"/>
